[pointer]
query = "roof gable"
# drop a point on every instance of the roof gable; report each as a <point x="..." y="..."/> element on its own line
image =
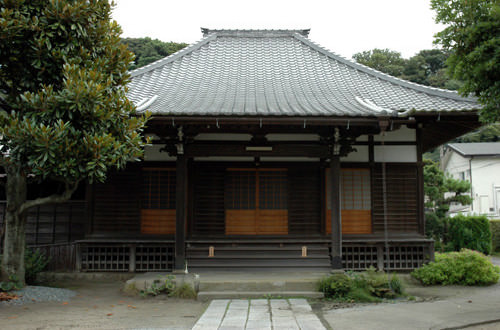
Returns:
<point x="276" y="73"/>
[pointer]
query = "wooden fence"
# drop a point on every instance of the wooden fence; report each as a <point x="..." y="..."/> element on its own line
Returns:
<point x="53" y="229"/>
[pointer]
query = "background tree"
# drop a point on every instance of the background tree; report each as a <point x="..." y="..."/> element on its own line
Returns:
<point x="384" y="60"/>
<point x="440" y="191"/>
<point x="64" y="114"/>
<point x="472" y="36"/>
<point x="148" y="50"/>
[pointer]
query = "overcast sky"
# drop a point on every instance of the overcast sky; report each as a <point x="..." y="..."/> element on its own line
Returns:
<point x="343" y="26"/>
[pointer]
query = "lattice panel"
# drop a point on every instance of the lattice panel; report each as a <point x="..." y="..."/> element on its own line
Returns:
<point x="359" y="257"/>
<point x="405" y="257"/>
<point x="105" y="258"/>
<point x="154" y="258"/>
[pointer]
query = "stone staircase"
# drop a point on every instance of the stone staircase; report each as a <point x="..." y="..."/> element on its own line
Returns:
<point x="265" y="284"/>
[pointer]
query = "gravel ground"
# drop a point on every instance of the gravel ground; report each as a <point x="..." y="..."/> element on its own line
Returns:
<point x="30" y="294"/>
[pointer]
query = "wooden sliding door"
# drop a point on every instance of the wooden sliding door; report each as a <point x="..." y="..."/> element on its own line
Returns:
<point x="158" y="201"/>
<point x="256" y="202"/>
<point x="355" y="201"/>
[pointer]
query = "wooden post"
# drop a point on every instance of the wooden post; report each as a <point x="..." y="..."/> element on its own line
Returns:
<point x="420" y="185"/>
<point x="336" y="214"/>
<point x="132" y="263"/>
<point x="78" y="257"/>
<point x="180" y="212"/>
<point x="380" y="257"/>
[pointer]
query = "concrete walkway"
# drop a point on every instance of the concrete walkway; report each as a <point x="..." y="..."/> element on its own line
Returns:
<point x="456" y="307"/>
<point x="259" y="314"/>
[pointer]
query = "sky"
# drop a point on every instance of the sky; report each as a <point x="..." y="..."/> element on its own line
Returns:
<point x="342" y="26"/>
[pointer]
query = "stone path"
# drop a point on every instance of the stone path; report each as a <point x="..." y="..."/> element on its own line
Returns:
<point x="259" y="314"/>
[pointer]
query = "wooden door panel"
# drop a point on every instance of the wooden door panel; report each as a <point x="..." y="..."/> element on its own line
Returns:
<point x="240" y="222"/>
<point x="353" y="222"/>
<point x="272" y="222"/>
<point x="157" y="221"/>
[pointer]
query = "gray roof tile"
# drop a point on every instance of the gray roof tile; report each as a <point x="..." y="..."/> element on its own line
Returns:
<point x="277" y="73"/>
<point x="476" y="148"/>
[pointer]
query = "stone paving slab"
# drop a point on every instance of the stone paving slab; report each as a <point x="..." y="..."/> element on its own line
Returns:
<point x="262" y="314"/>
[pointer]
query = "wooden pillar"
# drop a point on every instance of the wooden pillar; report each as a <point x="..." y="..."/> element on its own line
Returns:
<point x="180" y="212"/>
<point x="336" y="214"/>
<point x="420" y="185"/>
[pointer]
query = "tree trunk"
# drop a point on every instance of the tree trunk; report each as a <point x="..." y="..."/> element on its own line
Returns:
<point x="15" y="225"/>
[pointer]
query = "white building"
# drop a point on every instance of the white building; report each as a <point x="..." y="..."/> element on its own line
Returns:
<point x="478" y="163"/>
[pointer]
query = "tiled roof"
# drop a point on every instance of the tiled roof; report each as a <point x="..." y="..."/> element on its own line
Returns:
<point x="276" y="73"/>
<point x="476" y="148"/>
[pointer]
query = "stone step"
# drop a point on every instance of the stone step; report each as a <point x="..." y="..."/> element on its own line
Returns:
<point x="228" y="264"/>
<point x="209" y="295"/>
<point x="258" y="285"/>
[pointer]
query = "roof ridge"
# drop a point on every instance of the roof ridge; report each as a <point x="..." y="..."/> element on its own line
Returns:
<point x="174" y="56"/>
<point x="404" y="83"/>
<point x="255" y="32"/>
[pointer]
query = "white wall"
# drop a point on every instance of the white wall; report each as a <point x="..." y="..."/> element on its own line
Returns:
<point x="153" y="154"/>
<point x="485" y="173"/>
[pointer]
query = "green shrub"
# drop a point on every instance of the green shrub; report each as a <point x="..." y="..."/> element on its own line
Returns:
<point x="435" y="227"/>
<point x="184" y="291"/>
<point x="396" y="285"/>
<point x="368" y="286"/>
<point x="466" y="267"/>
<point x="335" y="286"/>
<point x="164" y="284"/>
<point x="469" y="232"/>
<point x="495" y="235"/>
<point x="12" y="284"/>
<point x="34" y="263"/>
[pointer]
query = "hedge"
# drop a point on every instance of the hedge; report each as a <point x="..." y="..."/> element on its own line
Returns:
<point x="470" y="232"/>
<point x="495" y="235"/>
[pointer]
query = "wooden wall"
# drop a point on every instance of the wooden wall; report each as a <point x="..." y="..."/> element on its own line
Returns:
<point x="304" y="206"/>
<point x="116" y="203"/>
<point x="54" y="223"/>
<point x="402" y="196"/>
<point x="208" y="200"/>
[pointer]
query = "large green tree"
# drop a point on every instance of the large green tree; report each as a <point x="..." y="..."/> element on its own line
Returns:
<point x="148" y="50"/>
<point x="472" y="36"/>
<point x="64" y="114"/>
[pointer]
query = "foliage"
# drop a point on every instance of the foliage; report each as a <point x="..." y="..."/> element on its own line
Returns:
<point x="427" y="67"/>
<point x="436" y="184"/>
<point x="164" y="284"/>
<point x="184" y="291"/>
<point x="63" y="69"/>
<point x="466" y="267"/>
<point x="472" y="35"/>
<point x="383" y="60"/>
<point x="64" y="113"/>
<point x="486" y="133"/>
<point x="440" y="191"/>
<point x="335" y="286"/>
<point x="495" y="235"/>
<point x="368" y="286"/>
<point x="35" y="262"/>
<point x="12" y="284"/>
<point x="470" y="232"/>
<point x="148" y="50"/>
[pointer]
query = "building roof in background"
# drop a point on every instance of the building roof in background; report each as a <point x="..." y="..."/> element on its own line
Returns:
<point x="476" y="148"/>
<point x="277" y="73"/>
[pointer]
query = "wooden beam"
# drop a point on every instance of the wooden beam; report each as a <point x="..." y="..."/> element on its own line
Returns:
<point x="313" y="150"/>
<point x="180" y="213"/>
<point x="336" y="214"/>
